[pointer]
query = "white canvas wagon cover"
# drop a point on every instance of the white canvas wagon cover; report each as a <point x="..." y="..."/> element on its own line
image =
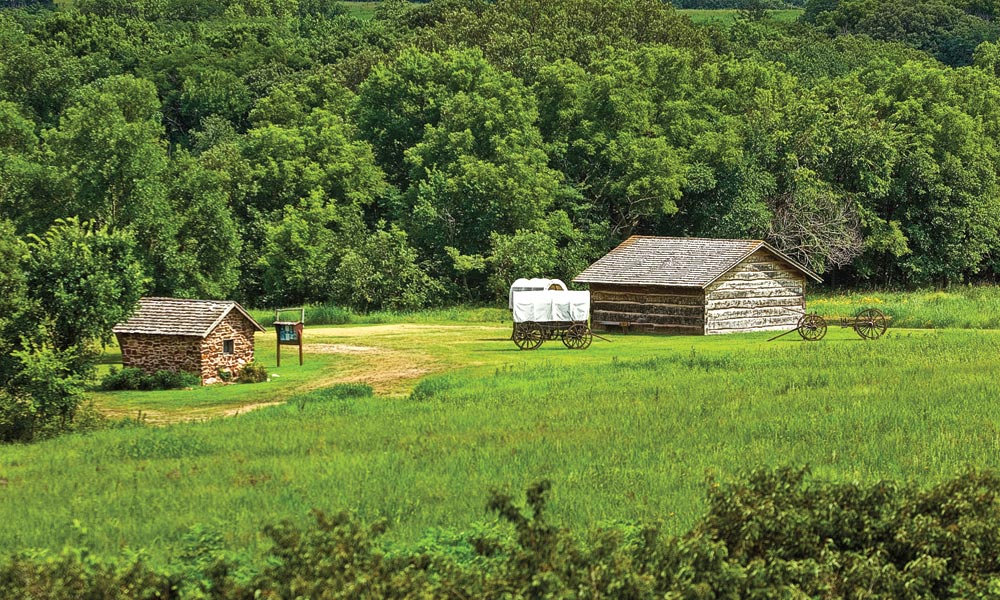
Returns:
<point x="551" y="305"/>
<point x="525" y="285"/>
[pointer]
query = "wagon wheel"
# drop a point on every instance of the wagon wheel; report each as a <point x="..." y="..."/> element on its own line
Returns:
<point x="528" y="336"/>
<point x="812" y="328"/>
<point x="578" y="337"/>
<point x="870" y="323"/>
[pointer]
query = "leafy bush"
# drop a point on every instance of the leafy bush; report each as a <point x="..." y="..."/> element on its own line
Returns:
<point x="42" y="399"/>
<point x="254" y="372"/>
<point x="430" y="387"/>
<point x="346" y="390"/>
<point x="74" y="574"/>
<point x="135" y="379"/>
<point x="774" y="534"/>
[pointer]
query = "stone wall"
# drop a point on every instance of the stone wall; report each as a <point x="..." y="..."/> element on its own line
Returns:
<point x="234" y="327"/>
<point x="153" y="353"/>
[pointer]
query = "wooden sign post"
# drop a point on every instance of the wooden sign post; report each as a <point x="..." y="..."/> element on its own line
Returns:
<point x="289" y="332"/>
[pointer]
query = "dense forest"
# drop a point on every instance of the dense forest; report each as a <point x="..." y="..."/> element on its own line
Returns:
<point x="279" y="151"/>
<point x="282" y="151"/>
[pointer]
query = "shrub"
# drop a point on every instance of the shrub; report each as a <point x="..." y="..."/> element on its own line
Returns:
<point x="346" y="390"/>
<point x="254" y="372"/>
<point x="135" y="379"/>
<point x="774" y="534"/>
<point x="431" y="387"/>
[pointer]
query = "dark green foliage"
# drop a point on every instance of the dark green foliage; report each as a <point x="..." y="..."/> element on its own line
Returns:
<point x="740" y="4"/>
<point x="67" y="289"/>
<point x="948" y="29"/>
<point x="43" y="394"/>
<point x="280" y="151"/>
<point x="83" y="279"/>
<point x="137" y="379"/>
<point x="74" y="574"/>
<point x="254" y="372"/>
<point x="774" y="534"/>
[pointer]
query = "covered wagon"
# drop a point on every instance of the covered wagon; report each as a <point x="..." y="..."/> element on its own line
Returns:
<point x="545" y="314"/>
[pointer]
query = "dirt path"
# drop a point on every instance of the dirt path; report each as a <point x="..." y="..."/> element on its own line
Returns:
<point x="232" y="412"/>
<point x="389" y="358"/>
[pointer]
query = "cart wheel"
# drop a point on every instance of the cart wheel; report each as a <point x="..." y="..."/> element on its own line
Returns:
<point x="528" y="336"/>
<point x="812" y="328"/>
<point x="870" y="323"/>
<point x="578" y="337"/>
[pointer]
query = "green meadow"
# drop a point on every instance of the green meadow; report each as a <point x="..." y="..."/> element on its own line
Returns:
<point x="361" y="10"/>
<point x="628" y="430"/>
<point x="724" y="16"/>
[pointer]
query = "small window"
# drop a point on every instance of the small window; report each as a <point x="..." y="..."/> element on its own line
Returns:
<point x="228" y="346"/>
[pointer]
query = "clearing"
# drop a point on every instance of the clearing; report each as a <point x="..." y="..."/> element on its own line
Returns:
<point x="627" y="430"/>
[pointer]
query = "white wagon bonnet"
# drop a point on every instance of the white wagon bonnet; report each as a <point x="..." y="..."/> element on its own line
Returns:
<point x="533" y="285"/>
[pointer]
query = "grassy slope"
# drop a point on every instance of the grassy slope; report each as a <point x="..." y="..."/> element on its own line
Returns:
<point x="626" y="430"/>
<point x="960" y="307"/>
<point x="365" y="10"/>
<point x="361" y="10"/>
<point x="727" y="16"/>
<point x="390" y="358"/>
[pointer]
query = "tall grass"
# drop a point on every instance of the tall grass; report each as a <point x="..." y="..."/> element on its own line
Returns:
<point x="326" y="314"/>
<point x="960" y="307"/>
<point x="726" y="16"/>
<point x="627" y="430"/>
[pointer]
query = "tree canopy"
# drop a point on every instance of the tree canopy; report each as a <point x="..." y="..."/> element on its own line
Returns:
<point x="279" y="151"/>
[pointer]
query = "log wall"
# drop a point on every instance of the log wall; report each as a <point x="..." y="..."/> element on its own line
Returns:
<point x="652" y="309"/>
<point x="762" y="293"/>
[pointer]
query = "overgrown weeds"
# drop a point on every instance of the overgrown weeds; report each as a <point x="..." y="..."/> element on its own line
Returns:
<point x="773" y="533"/>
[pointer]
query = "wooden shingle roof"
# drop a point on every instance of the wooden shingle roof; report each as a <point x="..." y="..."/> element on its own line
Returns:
<point x="675" y="262"/>
<point x="178" y="316"/>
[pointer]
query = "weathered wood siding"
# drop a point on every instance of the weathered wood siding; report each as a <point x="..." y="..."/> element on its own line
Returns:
<point x="653" y="309"/>
<point x="763" y="292"/>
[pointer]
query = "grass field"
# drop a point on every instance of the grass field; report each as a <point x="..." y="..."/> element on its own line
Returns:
<point x="627" y="430"/>
<point x="366" y="10"/>
<point x="727" y="16"/>
<point x="361" y="10"/>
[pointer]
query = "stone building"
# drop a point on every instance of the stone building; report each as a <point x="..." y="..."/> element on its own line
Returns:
<point x="696" y="286"/>
<point x="204" y="337"/>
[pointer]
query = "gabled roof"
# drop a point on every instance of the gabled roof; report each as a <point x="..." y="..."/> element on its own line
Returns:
<point x="676" y="262"/>
<point x="179" y="316"/>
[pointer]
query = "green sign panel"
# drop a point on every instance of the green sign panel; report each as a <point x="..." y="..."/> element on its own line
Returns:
<point x="288" y="333"/>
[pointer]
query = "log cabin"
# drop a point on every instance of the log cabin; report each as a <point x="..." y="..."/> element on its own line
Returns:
<point x="696" y="286"/>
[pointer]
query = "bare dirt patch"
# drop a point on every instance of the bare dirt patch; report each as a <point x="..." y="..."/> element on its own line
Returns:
<point x="232" y="412"/>
<point x="387" y="381"/>
<point x="342" y="349"/>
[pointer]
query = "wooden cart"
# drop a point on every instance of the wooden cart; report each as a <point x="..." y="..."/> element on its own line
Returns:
<point x="868" y="323"/>
<point x="575" y="335"/>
